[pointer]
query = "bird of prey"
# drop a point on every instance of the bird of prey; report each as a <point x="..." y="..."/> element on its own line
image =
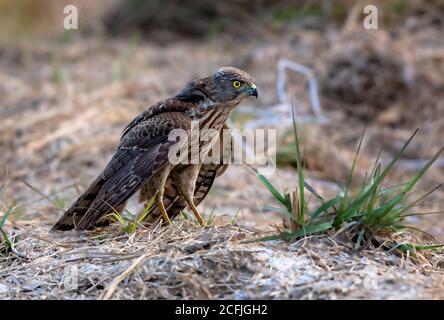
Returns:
<point x="141" y="161"/>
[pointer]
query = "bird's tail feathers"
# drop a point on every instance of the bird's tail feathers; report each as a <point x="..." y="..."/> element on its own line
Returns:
<point x="74" y="214"/>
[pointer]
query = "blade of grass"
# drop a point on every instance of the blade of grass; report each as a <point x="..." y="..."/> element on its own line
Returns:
<point x="5" y="217"/>
<point x="357" y="203"/>
<point x="423" y="170"/>
<point x="147" y="209"/>
<point x="373" y="199"/>
<point x="376" y="164"/>
<point x="280" y="211"/>
<point x="421" y="213"/>
<point x="359" y="240"/>
<point x="385" y="214"/>
<point x="392" y="188"/>
<point x="313" y="191"/>
<point x="301" y="180"/>
<point x="327" y="205"/>
<point x="388" y="215"/>
<point x="276" y="194"/>
<point x="407" y="247"/>
<point x="268" y="238"/>
<point x="415" y="202"/>
<point x="7" y="242"/>
<point x="308" y="230"/>
<point x="352" y="171"/>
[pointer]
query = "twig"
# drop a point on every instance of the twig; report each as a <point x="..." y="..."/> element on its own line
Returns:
<point x="107" y="294"/>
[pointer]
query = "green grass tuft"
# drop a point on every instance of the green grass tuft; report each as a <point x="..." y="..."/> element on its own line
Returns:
<point x="130" y="226"/>
<point x="371" y="211"/>
<point x="8" y="242"/>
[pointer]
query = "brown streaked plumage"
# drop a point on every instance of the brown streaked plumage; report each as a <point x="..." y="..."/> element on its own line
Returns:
<point x="141" y="159"/>
<point x="174" y="202"/>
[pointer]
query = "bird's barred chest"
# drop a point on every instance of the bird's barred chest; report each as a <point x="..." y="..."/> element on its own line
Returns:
<point x="210" y="125"/>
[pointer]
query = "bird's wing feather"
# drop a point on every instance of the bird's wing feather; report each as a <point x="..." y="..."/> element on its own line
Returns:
<point x="169" y="105"/>
<point x="142" y="152"/>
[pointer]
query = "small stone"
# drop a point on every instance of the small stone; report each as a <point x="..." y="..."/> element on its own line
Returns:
<point x="3" y="288"/>
<point x="393" y="261"/>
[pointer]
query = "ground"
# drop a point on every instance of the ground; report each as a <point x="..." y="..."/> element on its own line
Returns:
<point x="184" y="261"/>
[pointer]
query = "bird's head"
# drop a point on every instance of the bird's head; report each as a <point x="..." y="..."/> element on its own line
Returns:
<point x="227" y="86"/>
<point x="230" y="84"/>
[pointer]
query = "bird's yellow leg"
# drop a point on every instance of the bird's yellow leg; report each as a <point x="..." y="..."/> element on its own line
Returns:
<point x="163" y="211"/>
<point x="196" y="213"/>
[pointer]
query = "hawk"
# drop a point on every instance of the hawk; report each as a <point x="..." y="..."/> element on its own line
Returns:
<point x="141" y="161"/>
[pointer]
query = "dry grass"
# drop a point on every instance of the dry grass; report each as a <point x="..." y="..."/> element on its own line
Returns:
<point x="184" y="261"/>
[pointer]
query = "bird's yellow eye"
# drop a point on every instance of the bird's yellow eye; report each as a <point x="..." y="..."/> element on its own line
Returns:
<point x="237" y="84"/>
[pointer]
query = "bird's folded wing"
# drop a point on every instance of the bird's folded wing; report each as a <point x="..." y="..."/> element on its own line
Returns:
<point x="169" y="105"/>
<point x="142" y="152"/>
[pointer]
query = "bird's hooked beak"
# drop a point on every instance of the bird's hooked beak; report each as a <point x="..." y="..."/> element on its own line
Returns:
<point x="252" y="91"/>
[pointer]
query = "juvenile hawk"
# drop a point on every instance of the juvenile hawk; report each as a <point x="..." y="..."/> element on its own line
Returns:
<point x="141" y="160"/>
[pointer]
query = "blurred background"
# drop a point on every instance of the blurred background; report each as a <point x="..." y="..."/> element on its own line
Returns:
<point x="66" y="95"/>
